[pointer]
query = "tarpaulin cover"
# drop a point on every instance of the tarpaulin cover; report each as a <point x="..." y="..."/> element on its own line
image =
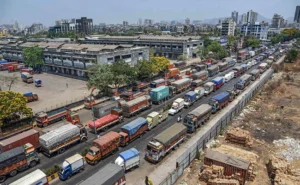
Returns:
<point x="133" y="126"/>
<point x="130" y="153"/>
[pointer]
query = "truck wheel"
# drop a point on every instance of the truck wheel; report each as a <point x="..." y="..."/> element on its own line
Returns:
<point x="62" y="150"/>
<point x="126" y="144"/>
<point x="13" y="173"/>
<point x="46" y="124"/>
<point x="105" y="129"/>
<point x="2" y="179"/>
<point x="32" y="164"/>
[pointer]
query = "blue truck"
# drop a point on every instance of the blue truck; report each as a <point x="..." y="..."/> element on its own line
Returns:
<point x="71" y="166"/>
<point x="218" y="82"/>
<point x="160" y="94"/>
<point x="219" y="101"/>
<point x="190" y="98"/>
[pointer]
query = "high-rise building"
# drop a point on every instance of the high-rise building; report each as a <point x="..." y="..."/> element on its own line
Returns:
<point x="259" y="30"/>
<point x="84" y="25"/>
<point x="297" y="15"/>
<point x="187" y="21"/>
<point x="140" y="22"/>
<point x="251" y="17"/>
<point x="234" y="16"/>
<point x="148" y="22"/>
<point x="16" y="26"/>
<point x="125" y="23"/>
<point x="228" y="27"/>
<point x="243" y="19"/>
<point x="277" y="21"/>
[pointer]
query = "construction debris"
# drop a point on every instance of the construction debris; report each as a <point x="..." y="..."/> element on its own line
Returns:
<point x="223" y="182"/>
<point x="292" y="148"/>
<point x="239" y="136"/>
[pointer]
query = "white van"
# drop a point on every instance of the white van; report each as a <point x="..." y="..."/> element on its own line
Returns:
<point x="200" y="92"/>
<point x="229" y="76"/>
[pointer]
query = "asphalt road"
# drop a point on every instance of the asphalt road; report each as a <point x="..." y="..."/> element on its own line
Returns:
<point x="139" y="144"/>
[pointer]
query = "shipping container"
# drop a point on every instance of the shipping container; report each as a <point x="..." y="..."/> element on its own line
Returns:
<point x="160" y="94"/>
<point x="104" y="109"/>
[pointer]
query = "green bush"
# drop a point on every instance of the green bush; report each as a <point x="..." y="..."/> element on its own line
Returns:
<point x="52" y="170"/>
<point x="198" y="154"/>
<point x="84" y="151"/>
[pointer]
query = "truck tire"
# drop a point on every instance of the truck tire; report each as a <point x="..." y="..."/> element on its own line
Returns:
<point x="46" y="124"/>
<point x="105" y="129"/>
<point x="13" y="173"/>
<point x="2" y="178"/>
<point x="62" y="150"/>
<point x="33" y="163"/>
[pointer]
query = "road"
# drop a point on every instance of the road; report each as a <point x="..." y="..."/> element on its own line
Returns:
<point x="139" y="144"/>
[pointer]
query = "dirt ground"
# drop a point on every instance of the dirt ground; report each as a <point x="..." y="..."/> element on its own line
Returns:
<point x="53" y="93"/>
<point x="272" y="118"/>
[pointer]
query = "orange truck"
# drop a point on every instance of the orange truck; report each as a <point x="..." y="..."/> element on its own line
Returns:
<point x="15" y="67"/>
<point x="17" y="159"/>
<point x="102" y="147"/>
<point x="43" y="119"/>
<point x="5" y="66"/>
<point x="27" y="70"/>
<point x="31" y="96"/>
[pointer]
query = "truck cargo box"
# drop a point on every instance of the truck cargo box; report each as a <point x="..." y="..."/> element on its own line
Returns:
<point x="133" y="126"/>
<point x="217" y="80"/>
<point x="159" y="93"/>
<point x="12" y="156"/>
<point x="167" y="136"/>
<point x="37" y="177"/>
<point x="221" y="96"/>
<point x="104" y="109"/>
<point x="103" y="121"/>
<point x="105" y="141"/>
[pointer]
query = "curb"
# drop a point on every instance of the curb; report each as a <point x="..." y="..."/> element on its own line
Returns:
<point x="52" y="177"/>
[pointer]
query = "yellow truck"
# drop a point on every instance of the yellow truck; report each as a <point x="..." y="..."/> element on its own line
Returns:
<point x="154" y="118"/>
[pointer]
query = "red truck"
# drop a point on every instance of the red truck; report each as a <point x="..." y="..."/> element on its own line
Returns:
<point x="133" y="130"/>
<point x="135" y="106"/>
<point x="102" y="147"/>
<point x="28" y="70"/>
<point x="43" y="118"/>
<point x="129" y="95"/>
<point x="15" y="67"/>
<point x="5" y="66"/>
<point x="106" y="121"/>
<point x="31" y="136"/>
<point x="237" y="71"/>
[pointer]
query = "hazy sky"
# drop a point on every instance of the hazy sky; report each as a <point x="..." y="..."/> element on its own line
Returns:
<point x="115" y="11"/>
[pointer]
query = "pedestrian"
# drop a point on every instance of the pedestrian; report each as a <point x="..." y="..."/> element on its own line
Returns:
<point x="148" y="181"/>
<point x="67" y="85"/>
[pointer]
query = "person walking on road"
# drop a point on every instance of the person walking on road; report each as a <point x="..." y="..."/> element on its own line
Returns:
<point x="67" y="85"/>
<point x="148" y="181"/>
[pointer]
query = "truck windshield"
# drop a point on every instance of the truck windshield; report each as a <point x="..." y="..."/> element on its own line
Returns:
<point x="189" y="119"/>
<point x="206" y="88"/>
<point x="91" y="152"/>
<point x="211" y="102"/>
<point x="61" y="170"/>
<point x="151" y="149"/>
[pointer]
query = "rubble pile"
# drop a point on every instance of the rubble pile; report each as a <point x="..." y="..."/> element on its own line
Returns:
<point x="239" y="136"/>
<point x="281" y="172"/>
<point x="223" y="182"/>
<point x="292" y="150"/>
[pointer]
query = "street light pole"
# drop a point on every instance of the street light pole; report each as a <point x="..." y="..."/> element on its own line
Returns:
<point x="95" y="130"/>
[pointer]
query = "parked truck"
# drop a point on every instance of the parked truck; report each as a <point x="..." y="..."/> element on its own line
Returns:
<point x="154" y="118"/>
<point x="110" y="174"/>
<point x="37" y="177"/>
<point x="197" y="117"/>
<point x="213" y="70"/>
<point x="26" y="77"/>
<point x="30" y="96"/>
<point x="255" y="73"/>
<point x="181" y="85"/>
<point x="209" y="87"/>
<point x="157" y="83"/>
<point x="104" y="108"/>
<point x="168" y="139"/>
<point x="160" y="94"/>
<point x="219" y="101"/>
<point x="71" y="166"/>
<point x="223" y="66"/>
<point x="202" y="75"/>
<point x="107" y="121"/>
<point x="91" y="102"/>
<point x="59" y="139"/>
<point x="15" y="67"/>
<point x="38" y="83"/>
<point x="177" y="106"/>
<point x="103" y="147"/>
<point x="15" y="126"/>
<point x="133" y="130"/>
<point x="43" y="119"/>
<point x="243" y="81"/>
<point x="128" y="159"/>
<point x="237" y="71"/>
<point x="17" y="159"/>
<point x="31" y="136"/>
<point x="135" y="106"/>
<point x="190" y="98"/>
<point x="5" y="66"/>
<point x="263" y="67"/>
<point x="233" y="93"/>
<point x="200" y="92"/>
<point x="129" y="95"/>
<point x="218" y="82"/>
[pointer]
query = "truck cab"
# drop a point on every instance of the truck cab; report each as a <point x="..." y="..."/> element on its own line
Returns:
<point x="177" y="106"/>
<point x="154" y="151"/>
<point x="189" y="98"/>
<point x="208" y="88"/>
<point x="93" y="156"/>
<point x="153" y="119"/>
<point x="124" y="139"/>
<point x="89" y="101"/>
<point x="71" y="166"/>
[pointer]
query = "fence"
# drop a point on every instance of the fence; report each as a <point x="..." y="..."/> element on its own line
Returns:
<point x="186" y="158"/>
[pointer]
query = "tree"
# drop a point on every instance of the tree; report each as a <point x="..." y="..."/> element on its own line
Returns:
<point x="298" y="41"/>
<point x="122" y="73"/>
<point x="292" y="55"/>
<point x="217" y="49"/>
<point x="100" y="77"/>
<point x="12" y="105"/>
<point x="160" y="64"/>
<point x="33" y="56"/>
<point x="252" y="43"/>
<point x="151" y="52"/>
<point x="144" y="69"/>
<point x="181" y="58"/>
<point x="202" y="52"/>
<point x="206" y="41"/>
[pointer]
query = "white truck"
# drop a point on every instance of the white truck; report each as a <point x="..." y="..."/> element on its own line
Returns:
<point x="208" y="88"/>
<point x="200" y="92"/>
<point x="252" y="53"/>
<point x="177" y="106"/>
<point x="33" y="178"/>
<point x="229" y="76"/>
<point x="71" y="166"/>
<point x="128" y="159"/>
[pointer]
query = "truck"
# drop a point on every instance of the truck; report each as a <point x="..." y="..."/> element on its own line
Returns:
<point x="155" y="118"/>
<point x="30" y="136"/>
<point x="26" y="77"/>
<point x="135" y="106"/>
<point x="200" y="92"/>
<point x="202" y="75"/>
<point x="243" y="81"/>
<point x="37" y="177"/>
<point x="71" y="166"/>
<point x="208" y="88"/>
<point x="244" y="68"/>
<point x="213" y="70"/>
<point x="160" y="94"/>
<point x="161" y="144"/>
<point x="223" y="66"/>
<point x="200" y="67"/>
<point x="15" y="67"/>
<point x="30" y="96"/>
<point x="255" y="73"/>
<point x="241" y="55"/>
<point x="181" y="85"/>
<point x="103" y="147"/>
<point x="197" y="117"/>
<point x="38" y="83"/>
<point x="237" y="71"/>
<point x="252" y="53"/>
<point x="5" y="66"/>
<point x="229" y="76"/>
<point x="158" y="83"/>
<point x="233" y="93"/>
<point x="110" y="174"/>
<point x="27" y="70"/>
<point x="103" y="123"/>
<point x="17" y="159"/>
<point x="218" y="82"/>
<point x="128" y="159"/>
<point x="59" y="139"/>
<point x="129" y="95"/>
<point x="196" y="83"/>
<point x="15" y="126"/>
<point x="104" y="108"/>
<point x="189" y="98"/>
<point x="219" y="101"/>
<point x="177" y="106"/>
<point x="90" y="102"/>
<point x="43" y="119"/>
<point x="133" y="130"/>
<point x="229" y="60"/>
<point x="263" y="67"/>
